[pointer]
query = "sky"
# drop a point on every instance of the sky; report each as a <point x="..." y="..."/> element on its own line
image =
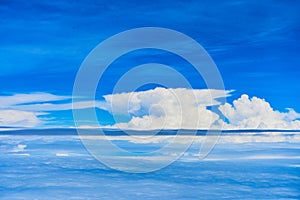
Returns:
<point x="254" y="44"/>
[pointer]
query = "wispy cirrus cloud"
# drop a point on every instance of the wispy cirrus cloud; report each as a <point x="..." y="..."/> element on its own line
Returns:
<point x="29" y="110"/>
<point x="12" y="113"/>
<point x="19" y="99"/>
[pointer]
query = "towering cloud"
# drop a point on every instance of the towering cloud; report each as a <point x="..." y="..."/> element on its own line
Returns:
<point x="162" y="108"/>
<point x="256" y="113"/>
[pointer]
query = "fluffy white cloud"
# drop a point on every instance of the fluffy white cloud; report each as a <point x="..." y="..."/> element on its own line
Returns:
<point x="166" y="108"/>
<point x="188" y="109"/>
<point x="134" y="101"/>
<point x="256" y="113"/>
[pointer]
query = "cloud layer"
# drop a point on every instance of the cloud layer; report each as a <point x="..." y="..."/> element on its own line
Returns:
<point x="23" y="110"/>
<point x="158" y="108"/>
<point x="17" y="118"/>
<point x="189" y="109"/>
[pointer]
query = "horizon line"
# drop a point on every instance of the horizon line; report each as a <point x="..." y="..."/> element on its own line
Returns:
<point x="115" y="131"/>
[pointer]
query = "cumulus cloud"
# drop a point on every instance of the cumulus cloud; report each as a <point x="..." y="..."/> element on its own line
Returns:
<point x="256" y="113"/>
<point x="162" y="108"/>
<point x="181" y="108"/>
<point x="134" y="101"/>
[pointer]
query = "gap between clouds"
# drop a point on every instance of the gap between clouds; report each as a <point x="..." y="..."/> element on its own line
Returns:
<point x="155" y="109"/>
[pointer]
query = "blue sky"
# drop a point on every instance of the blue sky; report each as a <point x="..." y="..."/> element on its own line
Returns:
<point x="254" y="44"/>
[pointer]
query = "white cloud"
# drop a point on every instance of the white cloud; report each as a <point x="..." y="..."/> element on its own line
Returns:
<point x="135" y="101"/>
<point x="22" y="154"/>
<point x="56" y="106"/>
<point x="19" y="148"/>
<point x="23" y="110"/>
<point x="16" y="99"/>
<point x="62" y="154"/>
<point x="181" y="108"/>
<point x="162" y="108"/>
<point x="256" y="113"/>
<point x="155" y="109"/>
<point x="17" y="118"/>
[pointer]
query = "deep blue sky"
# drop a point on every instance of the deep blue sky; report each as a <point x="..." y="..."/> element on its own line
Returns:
<point x="255" y="44"/>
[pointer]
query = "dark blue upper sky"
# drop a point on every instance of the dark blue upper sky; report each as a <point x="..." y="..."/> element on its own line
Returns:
<point x="255" y="44"/>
